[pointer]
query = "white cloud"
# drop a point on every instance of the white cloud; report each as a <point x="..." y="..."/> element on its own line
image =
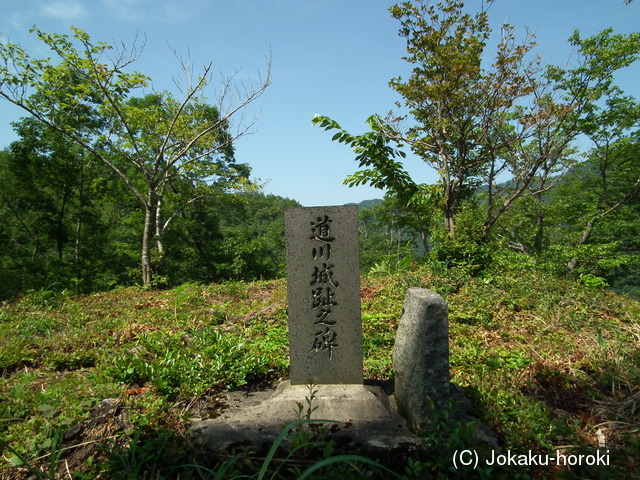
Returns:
<point x="176" y="11"/>
<point x="170" y="11"/>
<point x="65" y="10"/>
<point x="128" y="10"/>
<point x="18" y="21"/>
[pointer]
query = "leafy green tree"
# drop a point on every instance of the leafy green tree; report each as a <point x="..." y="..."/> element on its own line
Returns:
<point x="238" y="237"/>
<point x="385" y="171"/>
<point x="604" y="183"/>
<point x="572" y="225"/>
<point x="464" y="116"/>
<point x="388" y="235"/>
<point x="610" y="178"/>
<point x="254" y="242"/>
<point x="62" y="211"/>
<point x="477" y="121"/>
<point x="50" y="169"/>
<point x="597" y="208"/>
<point x="149" y="143"/>
<point x="41" y="175"/>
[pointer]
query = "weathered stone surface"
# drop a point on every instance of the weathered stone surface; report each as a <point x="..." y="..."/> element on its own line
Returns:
<point x="366" y="417"/>
<point x="323" y="287"/>
<point x="421" y="355"/>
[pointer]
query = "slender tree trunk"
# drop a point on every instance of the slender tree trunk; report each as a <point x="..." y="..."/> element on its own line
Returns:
<point x="80" y="215"/>
<point x="539" y="234"/>
<point x="147" y="242"/>
<point x="60" y="236"/>
<point x="424" y="238"/>
<point x="36" y="248"/>
<point x="159" y="234"/>
<point x="76" y="256"/>
<point x="449" y="224"/>
<point x="586" y="234"/>
<point x="450" y="207"/>
<point x="449" y="184"/>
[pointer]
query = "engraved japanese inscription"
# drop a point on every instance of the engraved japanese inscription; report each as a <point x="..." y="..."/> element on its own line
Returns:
<point x="323" y="287"/>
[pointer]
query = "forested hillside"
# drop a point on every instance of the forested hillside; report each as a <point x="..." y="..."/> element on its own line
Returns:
<point x="531" y="157"/>
<point x="141" y="262"/>
<point x="550" y="365"/>
<point x="110" y="185"/>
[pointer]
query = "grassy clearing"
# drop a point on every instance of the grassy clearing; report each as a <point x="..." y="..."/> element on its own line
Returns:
<point x="551" y="365"/>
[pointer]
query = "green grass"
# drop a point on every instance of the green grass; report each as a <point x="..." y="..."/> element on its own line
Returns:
<point x="548" y="363"/>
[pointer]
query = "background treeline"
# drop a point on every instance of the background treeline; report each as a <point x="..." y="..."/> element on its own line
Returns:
<point x="536" y="163"/>
<point x="69" y="223"/>
<point x="109" y="185"/>
<point x="547" y="236"/>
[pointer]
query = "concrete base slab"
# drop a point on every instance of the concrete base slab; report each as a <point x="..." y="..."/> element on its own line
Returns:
<point x="367" y="416"/>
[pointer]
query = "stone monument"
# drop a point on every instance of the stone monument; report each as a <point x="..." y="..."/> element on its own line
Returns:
<point x="325" y="345"/>
<point x="421" y="356"/>
<point x="323" y="289"/>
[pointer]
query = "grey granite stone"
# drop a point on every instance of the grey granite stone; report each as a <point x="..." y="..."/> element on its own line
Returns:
<point x="323" y="288"/>
<point x="421" y="356"/>
<point x="359" y="415"/>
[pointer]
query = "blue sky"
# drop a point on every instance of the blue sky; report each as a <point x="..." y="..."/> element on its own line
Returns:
<point x="329" y="57"/>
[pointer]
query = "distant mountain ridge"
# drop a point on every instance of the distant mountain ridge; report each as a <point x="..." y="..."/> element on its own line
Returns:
<point x="369" y="203"/>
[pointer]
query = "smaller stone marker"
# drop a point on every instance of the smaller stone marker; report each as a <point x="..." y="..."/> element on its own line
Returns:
<point x="421" y="355"/>
<point x="323" y="289"/>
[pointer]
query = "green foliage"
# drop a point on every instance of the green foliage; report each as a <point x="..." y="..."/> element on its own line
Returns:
<point x="546" y="360"/>
<point x="583" y="224"/>
<point x="254" y="244"/>
<point x="536" y="355"/>
<point x="79" y="237"/>
<point x="592" y="281"/>
<point x="389" y="238"/>
<point x="57" y="211"/>
<point x="446" y="433"/>
<point x="186" y="368"/>
<point x="374" y="150"/>
<point x="477" y="116"/>
<point x="238" y="237"/>
<point x="167" y="152"/>
<point x="351" y="462"/>
<point x="468" y="251"/>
